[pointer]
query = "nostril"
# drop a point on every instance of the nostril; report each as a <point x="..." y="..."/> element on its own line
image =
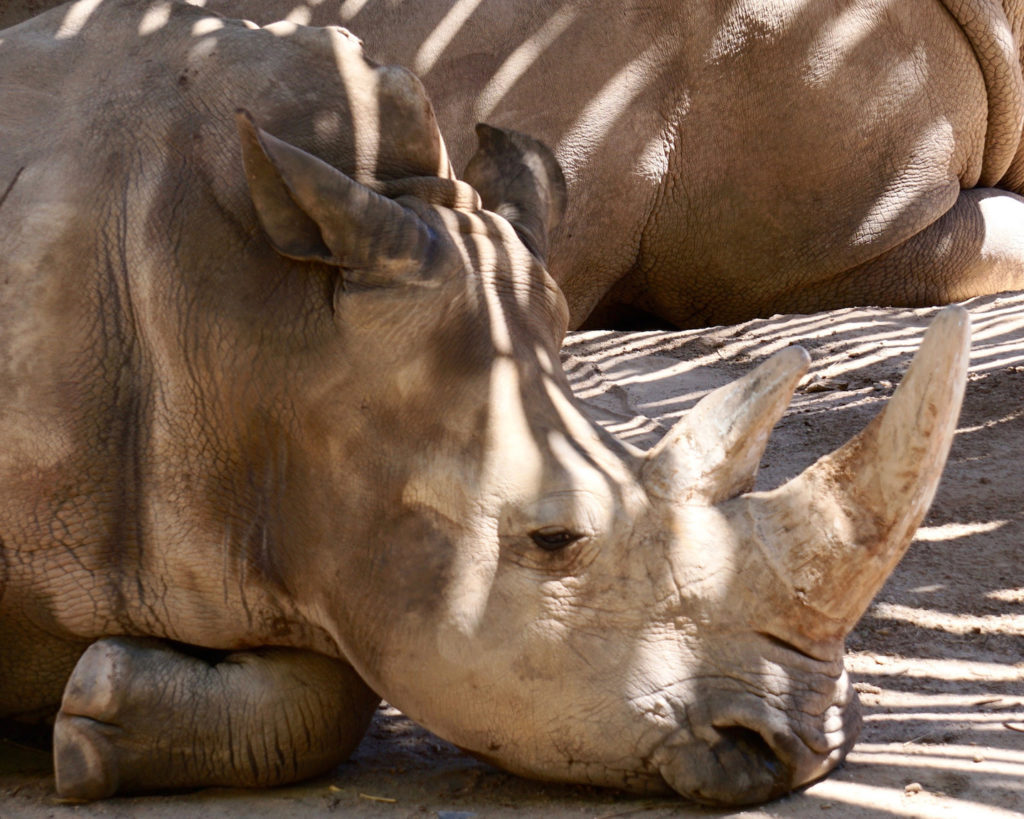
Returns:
<point x="738" y="739"/>
<point x="729" y="763"/>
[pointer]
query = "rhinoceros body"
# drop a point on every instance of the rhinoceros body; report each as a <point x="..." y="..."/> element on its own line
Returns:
<point x="283" y="429"/>
<point x="727" y="159"/>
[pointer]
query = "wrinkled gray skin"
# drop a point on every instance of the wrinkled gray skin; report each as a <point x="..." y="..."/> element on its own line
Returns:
<point x="729" y="159"/>
<point x="283" y="429"/>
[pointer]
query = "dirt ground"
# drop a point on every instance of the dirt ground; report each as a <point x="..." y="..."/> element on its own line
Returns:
<point x="938" y="659"/>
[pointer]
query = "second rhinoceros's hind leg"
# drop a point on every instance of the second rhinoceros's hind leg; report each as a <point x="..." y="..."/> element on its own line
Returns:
<point x="976" y="248"/>
<point x="142" y="715"/>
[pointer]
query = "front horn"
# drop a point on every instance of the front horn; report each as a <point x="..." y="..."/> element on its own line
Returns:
<point x="833" y="534"/>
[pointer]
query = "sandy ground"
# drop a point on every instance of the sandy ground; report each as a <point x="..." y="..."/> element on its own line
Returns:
<point x="938" y="659"/>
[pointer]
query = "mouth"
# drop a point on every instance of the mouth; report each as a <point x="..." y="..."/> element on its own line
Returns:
<point x="738" y="762"/>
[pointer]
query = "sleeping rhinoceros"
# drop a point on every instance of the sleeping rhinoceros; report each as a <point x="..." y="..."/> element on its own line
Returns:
<point x="736" y="158"/>
<point x="283" y="430"/>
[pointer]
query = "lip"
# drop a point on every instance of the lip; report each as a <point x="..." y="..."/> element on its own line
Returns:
<point x="737" y="768"/>
<point x="735" y="764"/>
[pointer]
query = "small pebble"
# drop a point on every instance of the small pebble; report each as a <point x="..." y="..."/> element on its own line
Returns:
<point x="913" y="787"/>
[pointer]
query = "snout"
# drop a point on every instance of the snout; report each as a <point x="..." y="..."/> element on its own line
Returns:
<point x="751" y="752"/>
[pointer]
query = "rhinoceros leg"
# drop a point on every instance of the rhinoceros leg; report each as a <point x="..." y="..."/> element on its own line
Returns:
<point x="975" y="249"/>
<point x="141" y="715"/>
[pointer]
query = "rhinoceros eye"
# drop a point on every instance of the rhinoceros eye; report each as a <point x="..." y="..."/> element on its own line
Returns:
<point x="553" y="538"/>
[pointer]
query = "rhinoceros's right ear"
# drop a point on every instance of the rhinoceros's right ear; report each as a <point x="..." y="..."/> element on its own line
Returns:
<point x="518" y="178"/>
<point x="312" y="211"/>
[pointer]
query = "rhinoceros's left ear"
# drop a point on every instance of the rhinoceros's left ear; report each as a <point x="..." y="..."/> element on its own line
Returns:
<point x="312" y="211"/>
<point x="520" y="179"/>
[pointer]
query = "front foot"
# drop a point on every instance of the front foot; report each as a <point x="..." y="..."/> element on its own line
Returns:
<point x="140" y="715"/>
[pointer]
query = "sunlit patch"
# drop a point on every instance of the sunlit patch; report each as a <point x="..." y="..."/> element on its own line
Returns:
<point x="77" y="16"/>
<point x="963" y="624"/>
<point x="282" y="28"/>
<point x="955" y="531"/>
<point x="547" y="364"/>
<point x="522" y="292"/>
<point x="519" y="61"/>
<point x="838" y="39"/>
<point x="927" y="668"/>
<point x="980" y="721"/>
<point x="155" y="18"/>
<point x="652" y="161"/>
<point x="1007" y="595"/>
<point x="949" y="758"/>
<point x="600" y="114"/>
<point x="300" y="15"/>
<point x="350" y="8"/>
<point x="900" y="202"/>
<point x="511" y="456"/>
<point x="748" y="21"/>
<point x="501" y="334"/>
<point x="873" y="800"/>
<point x="511" y="461"/>
<point x="202" y="49"/>
<point x="989" y="423"/>
<point x="328" y="125"/>
<point x="466" y="602"/>
<point x="364" y="105"/>
<point x="438" y="40"/>
<point x="207" y="25"/>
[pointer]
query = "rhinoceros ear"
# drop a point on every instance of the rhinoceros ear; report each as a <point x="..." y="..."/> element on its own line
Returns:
<point x="520" y="179"/>
<point x="312" y="211"/>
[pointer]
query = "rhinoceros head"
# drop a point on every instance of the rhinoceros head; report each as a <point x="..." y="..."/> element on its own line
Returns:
<point x="495" y="564"/>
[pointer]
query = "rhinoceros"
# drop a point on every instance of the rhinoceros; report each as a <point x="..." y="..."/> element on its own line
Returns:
<point x="283" y="430"/>
<point x="728" y="159"/>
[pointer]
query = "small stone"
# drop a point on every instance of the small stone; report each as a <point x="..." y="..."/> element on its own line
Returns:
<point x="867" y="688"/>
<point x="912" y="788"/>
<point x="979" y="758"/>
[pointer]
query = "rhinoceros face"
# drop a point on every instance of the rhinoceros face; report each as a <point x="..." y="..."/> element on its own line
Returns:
<point x="643" y="620"/>
<point x="542" y="595"/>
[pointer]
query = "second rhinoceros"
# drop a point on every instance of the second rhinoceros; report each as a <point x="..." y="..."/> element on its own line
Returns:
<point x="736" y="158"/>
<point x="283" y="430"/>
